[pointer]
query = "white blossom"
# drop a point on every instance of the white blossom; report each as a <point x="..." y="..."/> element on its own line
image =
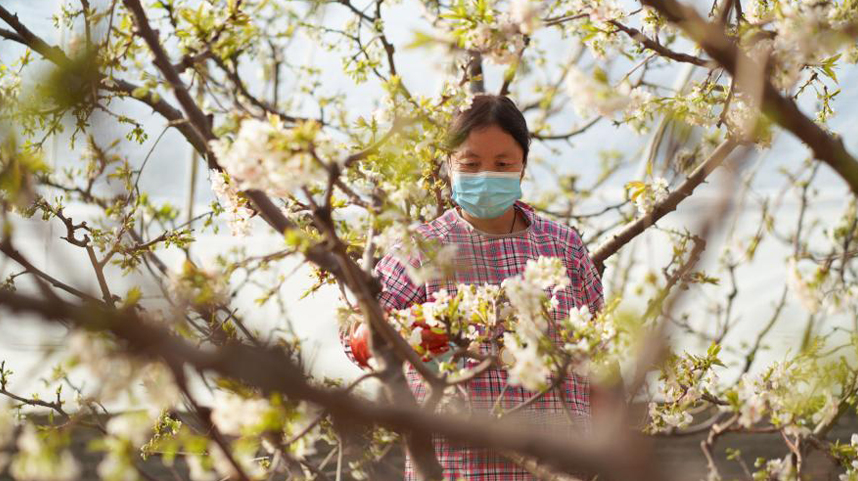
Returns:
<point x="505" y="54"/>
<point x="636" y="112"/>
<point x="677" y="418"/>
<point x="500" y="43"/>
<point x="546" y="272"/>
<point x="670" y="416"/>
<point x="526" y="293"/>
<point x="116" y="467"/>
<point x="526" y="298"/>
<point x="780" y="470"/>
<point x="198" y="471"/>
<point x="600" y="11"/>
<point x="233" y="414"/>
<point x="757" y="11"/>
<point x="161" y="390"/>
<point x="136" y="427"/>
<point x="269" y="157"/>
<point x="429" y="310"/>
<point x="529" y="371"/>
<point x="7" y="424"/>
<point x="481" y="37"/>
<point x="244" y="458"/>
<point x="802" y="30"/>
<point x="580" y="317"/>
<point x="797" y="430"/>
<point x="809" y="298"/>
<point x="753" y="403"/>
<point x="659" y="189"/>
<point x="36" y="460"/>
<point x="416" y="336"/>
<point x="593" y="94"/>
<point x="113" y="373"/>
<point x="650" y="195"/>
<point x="227" y="196"/>
<point x="525" y="14"/>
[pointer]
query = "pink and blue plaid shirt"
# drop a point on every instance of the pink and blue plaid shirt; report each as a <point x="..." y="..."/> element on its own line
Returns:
<point x="490" y="258"/>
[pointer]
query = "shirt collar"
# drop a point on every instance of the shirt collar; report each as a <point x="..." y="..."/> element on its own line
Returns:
<point x="525" y="209"/>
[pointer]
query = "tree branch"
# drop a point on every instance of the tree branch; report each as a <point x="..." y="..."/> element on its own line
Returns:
<point x="632" y="230"/>
<point x="780" y="109"/>
<point x="272" y="370"/>
<point x="660" y="49"/>
<point x="196" y="116"/>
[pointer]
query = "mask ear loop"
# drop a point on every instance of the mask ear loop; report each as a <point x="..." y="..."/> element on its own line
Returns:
<point x="450" y="176"/>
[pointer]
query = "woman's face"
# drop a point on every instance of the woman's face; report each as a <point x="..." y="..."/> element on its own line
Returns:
<point x="488" y="148"/>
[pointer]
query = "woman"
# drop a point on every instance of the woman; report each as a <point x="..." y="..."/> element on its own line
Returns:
<point x="495" y="235"/>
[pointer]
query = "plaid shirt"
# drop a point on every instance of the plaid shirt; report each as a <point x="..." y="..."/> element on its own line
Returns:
<point x="491" y="258"/>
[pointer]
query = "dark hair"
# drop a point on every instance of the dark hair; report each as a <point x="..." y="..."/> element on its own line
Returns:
<point x="486" y="110"/>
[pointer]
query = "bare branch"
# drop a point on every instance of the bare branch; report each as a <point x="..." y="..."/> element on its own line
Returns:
<point x="660" y="49"/>
<point x="632" y="230"/>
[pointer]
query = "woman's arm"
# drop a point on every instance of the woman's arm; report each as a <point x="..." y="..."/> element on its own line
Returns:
<point x="588" y="282"/>
<point x="398" y="292"/>
<point x="607" y="399"/>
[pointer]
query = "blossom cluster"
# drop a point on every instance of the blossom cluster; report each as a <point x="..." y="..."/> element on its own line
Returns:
<point x="592" y="341"/>
<point x="684" y="380"/>
<point x="647" y="195"/>
<point x="806" y="34"/>
<point x="466" y="317"/>
<point x="437" y="260"/>
<point x="501" y="37"/>
<point x="795" y="395"/>
<point x="197" y="285"/>
<point x="600" y="37"/>
<point x="781" y="469"/>
<point x="745" y="120"/>
<point x="247" y="417"/>
<point x="126" y="432"/>
<point x="235" y="204"/>
<point x="822" y="292"/>
<point x="498" y="42"/>
<point x="593" y="94"/>
<point x="267" y="156"/>
<point x="527" y="296"/>
<point x="519" y="309"/>
<point x="40" y="456"/>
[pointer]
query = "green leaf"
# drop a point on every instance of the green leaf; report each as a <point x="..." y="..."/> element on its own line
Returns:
<point x="420" y="39"/>
<point x="140" y="92"/>
<point x="132" y="296"/>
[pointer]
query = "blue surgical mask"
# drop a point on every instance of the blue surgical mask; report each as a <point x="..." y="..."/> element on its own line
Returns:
<point x="486" y="194"/>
